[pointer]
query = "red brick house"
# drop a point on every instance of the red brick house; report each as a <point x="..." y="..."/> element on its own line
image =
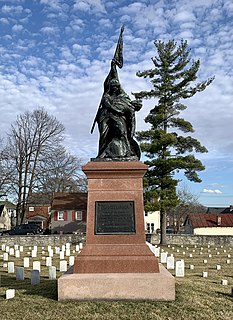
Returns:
<point x="38" y="209"/>
<point x="68" y="212"/>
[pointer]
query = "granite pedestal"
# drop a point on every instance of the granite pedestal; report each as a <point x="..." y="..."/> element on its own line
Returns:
<point x="116" y="263"/>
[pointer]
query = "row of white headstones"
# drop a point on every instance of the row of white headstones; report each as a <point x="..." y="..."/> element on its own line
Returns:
<point x="179" y="265"/>
<point x="17" y="250"/>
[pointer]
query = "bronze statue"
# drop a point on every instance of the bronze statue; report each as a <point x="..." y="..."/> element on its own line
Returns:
<point x="116" y="117"/>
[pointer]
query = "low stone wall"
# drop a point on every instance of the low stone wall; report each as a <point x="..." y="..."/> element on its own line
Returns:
<point x="187" y="239"/>
<point x="43" y="240"/>
<point x="58" y="240"/>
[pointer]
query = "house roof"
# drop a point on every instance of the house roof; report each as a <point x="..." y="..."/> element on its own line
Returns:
<point x="210" y="220"/>
<point x="220" y="210"/>
<point x="8" y="204"/>
<point x="39" y="198"/>
<point x="69" y="201"/>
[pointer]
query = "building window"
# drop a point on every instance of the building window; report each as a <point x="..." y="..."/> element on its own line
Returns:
<point x="146" y="214"/>
<point x="152" y="227"/>
<point x="31" y="209"/>
<point x="60" y="215"/>
<point x="77" y="215"/>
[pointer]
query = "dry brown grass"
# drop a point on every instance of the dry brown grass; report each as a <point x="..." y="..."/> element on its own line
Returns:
<point x="197" y="298"/>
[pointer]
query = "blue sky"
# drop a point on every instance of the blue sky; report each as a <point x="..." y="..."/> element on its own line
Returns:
<point x="57" y="54"/>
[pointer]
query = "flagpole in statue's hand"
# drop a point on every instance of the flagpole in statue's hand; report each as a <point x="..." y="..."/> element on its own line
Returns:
<point x="116" y="61"/>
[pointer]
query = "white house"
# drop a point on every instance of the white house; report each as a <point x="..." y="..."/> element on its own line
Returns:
<point x="152" y="221"/>
<point x="209" y="224"/>
<point x="5" y="220"/>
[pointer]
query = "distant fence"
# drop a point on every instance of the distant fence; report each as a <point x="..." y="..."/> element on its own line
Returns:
<point x="178" y="239"/>
<point x="43" y="240"/>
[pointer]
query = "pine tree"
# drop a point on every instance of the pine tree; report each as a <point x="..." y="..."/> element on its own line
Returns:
<point x="166" y="150"/>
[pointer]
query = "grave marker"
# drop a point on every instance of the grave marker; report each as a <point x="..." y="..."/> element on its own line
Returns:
<point x="180" y="268"/>
<point x="19" y="273"/>
<point x="63" y="266"/>
<point x="36" y="265"/>
<point x="52" y="273"/>
<point x="35" y="277"/>
<point x="11" y="267"/>
<point x="10" y="293"/>
<point x="170" y="263"/>
<point x="26" y="262"/>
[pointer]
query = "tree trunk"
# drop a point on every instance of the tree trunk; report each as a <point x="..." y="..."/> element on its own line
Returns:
<point x="163" y="225"/>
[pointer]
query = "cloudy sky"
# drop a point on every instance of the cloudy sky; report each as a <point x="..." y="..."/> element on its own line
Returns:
<point x="57" y="53"/>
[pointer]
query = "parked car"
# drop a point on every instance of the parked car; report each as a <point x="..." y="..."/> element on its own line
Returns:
<point x="23" y="229"/>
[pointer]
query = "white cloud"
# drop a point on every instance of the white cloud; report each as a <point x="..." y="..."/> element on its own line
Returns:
<point x="216" y="191"/>
<point x="17" y="28"/>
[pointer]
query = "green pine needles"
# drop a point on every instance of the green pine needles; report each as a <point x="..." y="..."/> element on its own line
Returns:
<point x="167" y="151"/>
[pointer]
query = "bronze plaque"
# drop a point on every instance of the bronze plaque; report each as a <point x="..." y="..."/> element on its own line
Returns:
<point x="114" y="217"/>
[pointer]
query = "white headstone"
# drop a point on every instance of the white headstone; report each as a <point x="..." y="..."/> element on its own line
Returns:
<point x="67" y="252"/>
<point x="48" y="262"/>
<point x="7" y="249"/>
<point x="224" y="282"/>
<point x="163" y="257"/>
<point x="11" y="267"/>
<point x="35" y="277"/>
<point x="3" y="247"/>
<point x="228" y="261"/>
<point x="157" y="252"/>
<point x="170" y="263"/>
<point x="49" y="248"/>
<point x="63" y="266"/>
<point x="77" y="247"/>
<point x="51" y="252"/>
<point x="210" y="255"/>
<point x="71" y="260"/>
<point x="62" y="255"/>
<point x="17" y="253"/>
<point x="191" y="267"/>
<point x="205" y="261"/>
<point x="16" y="246"/>
<point x="57" y="250"/>
<point x="11" y="252"/>
<point x="67" y="245"/>
<point x="21" y="248"/>
<point x="63" y="248"/>
<point x="228" y="256"/>
<point x="10" y="293"/>
<point x="5" y="256"/>
<point x="204" y="274"/>
<point x="180" y="268"/>
<point x="26" y="262"/>
<point x="34" y="254"/>
<point x="35" y="248"/>
<point x="36" y="265"/>
<point x="52" y="273"/>
<point x="19" y="273"/>
<point x="81" y="245"/>
<point x="190" y="255"/>
<point x="218" y="267"/>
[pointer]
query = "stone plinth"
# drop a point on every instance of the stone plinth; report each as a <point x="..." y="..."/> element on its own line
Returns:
<point x="115" y="253"/>
<point x="117" y="286"/>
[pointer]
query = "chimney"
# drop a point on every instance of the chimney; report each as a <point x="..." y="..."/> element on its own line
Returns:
<point x="219" y="220"/>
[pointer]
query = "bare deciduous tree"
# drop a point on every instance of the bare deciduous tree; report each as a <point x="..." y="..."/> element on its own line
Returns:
<point x="33" y="135"/>
<point x="60" y="172"/>
<point x="188" y="203"/>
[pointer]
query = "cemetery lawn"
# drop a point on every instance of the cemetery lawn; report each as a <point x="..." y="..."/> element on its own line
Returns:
<point x="197" y="298"/>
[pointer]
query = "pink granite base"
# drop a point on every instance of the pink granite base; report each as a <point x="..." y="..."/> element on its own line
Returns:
<point x="117" y="286"/>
